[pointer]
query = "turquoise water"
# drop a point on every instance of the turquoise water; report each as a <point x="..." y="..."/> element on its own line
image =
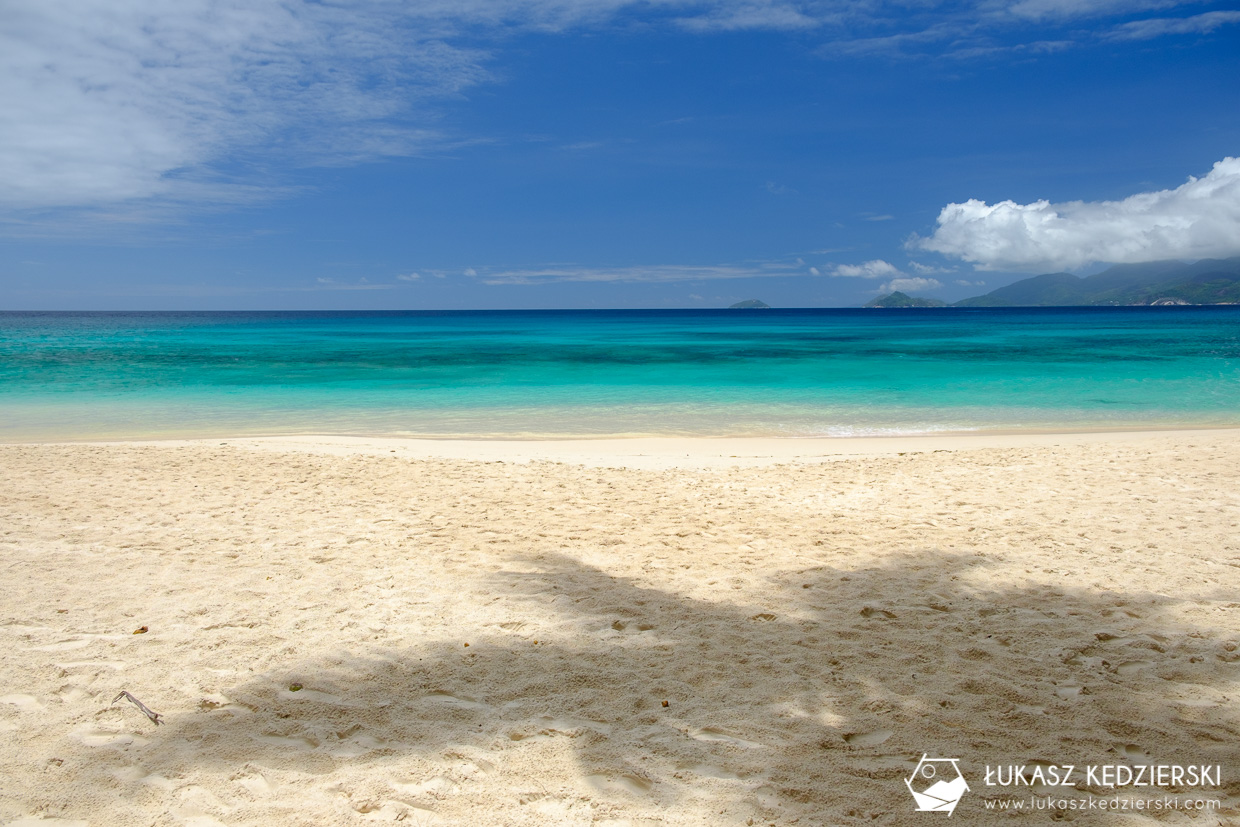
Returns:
<point x="564" y="373"/>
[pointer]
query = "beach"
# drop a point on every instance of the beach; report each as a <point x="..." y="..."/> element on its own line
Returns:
<point x="682" y="631"/>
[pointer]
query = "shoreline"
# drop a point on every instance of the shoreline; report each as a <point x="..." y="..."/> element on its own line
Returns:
<point x="664" y="451"/>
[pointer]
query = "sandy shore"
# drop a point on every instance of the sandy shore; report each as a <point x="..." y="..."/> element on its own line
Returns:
<point x="342" y="631"/>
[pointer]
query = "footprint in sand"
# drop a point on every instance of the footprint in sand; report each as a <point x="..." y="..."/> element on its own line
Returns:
<point x="257" y="785"/>
<point x="711" y="733"/>
<point x="71" y="694"/>
<point x="25" y="703"/>
<point x="354" y="746"/>
<point x="628" y="626"/>
<point x="117" y="665"/>
<point x="196" y="806"/>
<point x="546" y="726"/>
<point x="315" y="696"/>
<point x="630" y="784"/>
<point x="403" y="811"/>
<point x="456" y="700"/>
<point x="1131" y="667"/>
<point x="439" y="786"/>
<point x="711" y="771"/>
<point x="1069" y="692"/>
<point x="137" y="775"/>
<point x="91" y="737"/>
<point x="294" y="741"/>
<point x="65" y="645"/>
<point x="571" y="727"/>
<point x="868" y="739"/>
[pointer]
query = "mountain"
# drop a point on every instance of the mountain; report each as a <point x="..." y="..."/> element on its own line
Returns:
<point x="750" y="304"/>
<point x="1209" y="281"/>
<point x="898" y="299"/>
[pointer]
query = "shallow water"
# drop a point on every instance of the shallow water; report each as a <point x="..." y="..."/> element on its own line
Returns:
<point x="562" y="373"/>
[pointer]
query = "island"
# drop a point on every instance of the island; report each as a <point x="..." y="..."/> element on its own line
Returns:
<point x="750" y="304"/>
<point x="898" y="299"/>
<point x="1154" y="284"/>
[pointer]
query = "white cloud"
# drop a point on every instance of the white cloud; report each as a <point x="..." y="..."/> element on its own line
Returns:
<point x="640" y="273"/>
<point x="756" y="14"/>
<point x="879" y="217"/>
<point x="967" y="283"/>
<point x="409" y="277"/>
<point x="1050" y="9"/>
<point x="106" y="102"/>
<point x="876" y="269"/>
<point x="160" y="102"/>
<point x="1157" y="27"/>
<point x="926" y="269"/>
<point x="1199" y="219"/>
<point x="909" y="285"/>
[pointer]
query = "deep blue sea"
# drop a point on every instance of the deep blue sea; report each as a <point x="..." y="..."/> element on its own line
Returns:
<point x="566" y="373"/>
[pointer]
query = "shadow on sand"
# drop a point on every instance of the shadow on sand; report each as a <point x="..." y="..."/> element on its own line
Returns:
<point x="811" y="711"/>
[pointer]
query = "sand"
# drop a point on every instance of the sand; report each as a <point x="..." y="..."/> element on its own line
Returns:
<point x="344" y="631"/>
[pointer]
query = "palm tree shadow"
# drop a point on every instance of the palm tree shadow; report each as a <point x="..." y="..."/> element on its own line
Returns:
<point x="814" y="708"/>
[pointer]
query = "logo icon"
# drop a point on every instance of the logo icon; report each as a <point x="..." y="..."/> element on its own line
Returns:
<point x="936" y="784"/>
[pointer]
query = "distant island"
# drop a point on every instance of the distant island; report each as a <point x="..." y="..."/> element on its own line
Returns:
<point x="750" y="304"/>
<point x="898" y="299"/>
<point x="1209" y="281"/>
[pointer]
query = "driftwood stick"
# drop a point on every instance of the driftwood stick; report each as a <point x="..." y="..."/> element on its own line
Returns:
<point x="154" y="716"/>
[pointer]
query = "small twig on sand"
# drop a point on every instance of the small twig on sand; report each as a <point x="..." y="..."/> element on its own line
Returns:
<point x="154" y="716"/>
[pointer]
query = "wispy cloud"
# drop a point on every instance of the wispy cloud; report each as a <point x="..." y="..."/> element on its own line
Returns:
<point x="130" y="107"/>
<point x="638" y="273"/>
<point x="1160" y="26"/>
<point x="108" y="102"/>
<point x="928" y="269"/>
<point x="876" y="269"/>
<point x="910" y="284"/>
<point x="1199" y="219"/>
<point x="762" y="14"/>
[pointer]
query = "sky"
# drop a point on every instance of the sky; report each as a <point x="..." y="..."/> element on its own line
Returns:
<point x="459" y="154"/>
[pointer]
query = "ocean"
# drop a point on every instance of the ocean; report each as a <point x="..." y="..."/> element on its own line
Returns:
<point x="793" y="373"/>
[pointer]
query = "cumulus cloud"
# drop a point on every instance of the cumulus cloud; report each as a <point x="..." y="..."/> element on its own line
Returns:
<point x="876" y="269"/>
<point x="1199" y="219"/>
<point x="910" y="285"/>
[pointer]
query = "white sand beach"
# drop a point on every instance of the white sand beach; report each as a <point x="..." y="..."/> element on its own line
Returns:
<point x="343" y="631"/>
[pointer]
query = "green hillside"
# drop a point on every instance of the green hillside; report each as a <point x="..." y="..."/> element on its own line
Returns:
<point x="1210" y="281"/>
<point x="898" y="299"/>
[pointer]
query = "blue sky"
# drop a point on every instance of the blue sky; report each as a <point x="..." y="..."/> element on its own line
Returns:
<point x="564" y="153"/>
